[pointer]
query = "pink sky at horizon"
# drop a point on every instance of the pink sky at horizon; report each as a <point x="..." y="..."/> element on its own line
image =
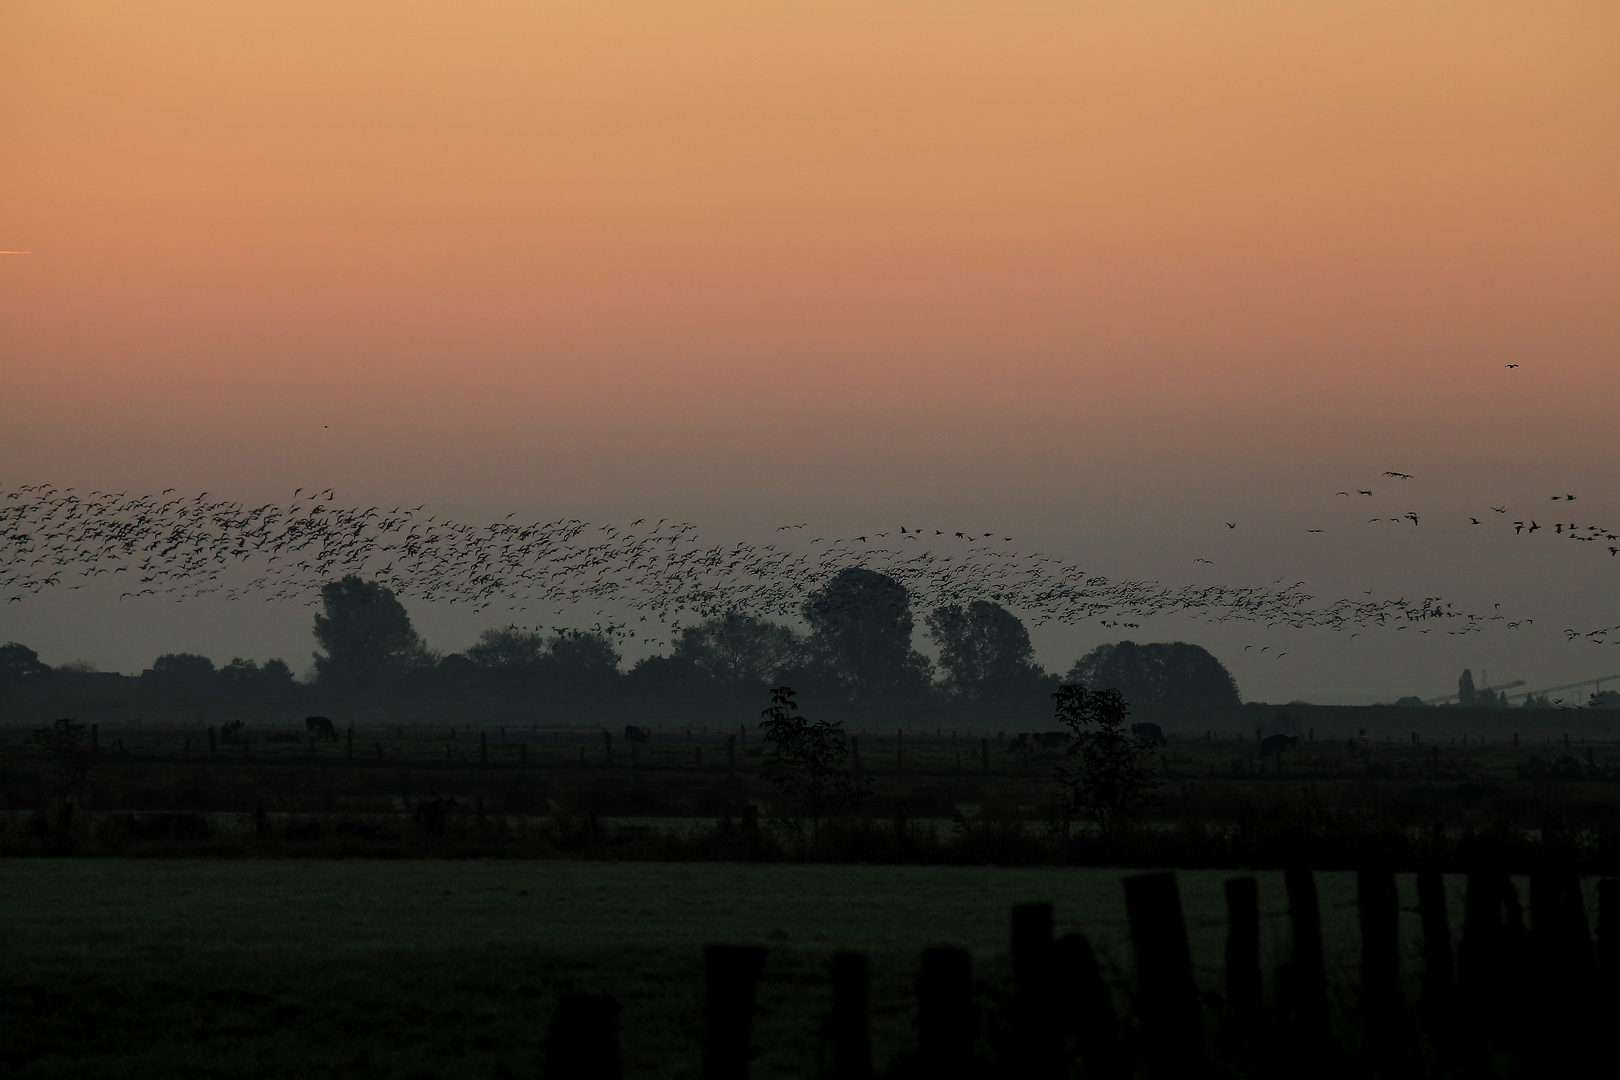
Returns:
<point x="1104" y="275"/>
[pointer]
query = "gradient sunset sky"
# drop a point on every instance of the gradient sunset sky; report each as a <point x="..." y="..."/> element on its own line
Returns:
<point x="1105" y="276"/>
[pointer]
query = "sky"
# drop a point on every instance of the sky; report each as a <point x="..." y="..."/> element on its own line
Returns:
<point x="1103" y="276"/>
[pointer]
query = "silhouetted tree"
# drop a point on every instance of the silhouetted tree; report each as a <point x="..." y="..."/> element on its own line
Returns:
<point x="985" y="651"/>
<point x="20" y="666"/>
<point x="66" y="756"/>
<point x="807" y="759"/>
<point x="180" y="674"/>
<point x="860" y="636"/>
<point x="668" y="677"/>
<point x="367" y="635"/>
<point x="1162" y="672"/>
<point x="509" y="647"/>
<point x="1465" y="688"/>
<point x="1111" y="779"/>
<point x="245" y="678"/>
<point x="580" y="664"/>
<point x="738" y="651"/>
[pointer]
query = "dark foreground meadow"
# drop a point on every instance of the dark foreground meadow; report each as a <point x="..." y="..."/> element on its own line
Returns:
<point x="415" y="969"/>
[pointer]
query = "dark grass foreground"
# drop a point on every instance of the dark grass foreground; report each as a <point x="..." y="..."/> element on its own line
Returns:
<point x="432" y="969"/>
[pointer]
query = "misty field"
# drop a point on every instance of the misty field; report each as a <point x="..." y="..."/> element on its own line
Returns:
<point x="430" y="968"/>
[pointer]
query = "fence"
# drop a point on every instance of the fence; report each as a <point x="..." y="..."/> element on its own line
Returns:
<point x="1527" y="1000"/>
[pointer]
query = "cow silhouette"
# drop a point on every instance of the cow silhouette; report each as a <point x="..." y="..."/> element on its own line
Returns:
<point x="1149" y="733"/>
<point x="1276" y="744"/>
<point x="320" y="729"/>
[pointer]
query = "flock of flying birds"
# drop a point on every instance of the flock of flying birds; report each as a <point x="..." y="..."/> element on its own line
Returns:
<point x="642" y="580"/>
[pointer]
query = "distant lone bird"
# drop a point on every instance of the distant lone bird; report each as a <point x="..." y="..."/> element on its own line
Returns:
<point x="1399" y="475"/>
<point x="1510" y="365"/>
<point x="1231" y="524"/>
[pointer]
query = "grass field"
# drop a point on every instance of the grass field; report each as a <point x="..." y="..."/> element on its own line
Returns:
<point x="449" y="969"/>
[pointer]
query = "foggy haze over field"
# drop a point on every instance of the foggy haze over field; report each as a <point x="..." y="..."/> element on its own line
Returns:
<point x="1141" y="294"/>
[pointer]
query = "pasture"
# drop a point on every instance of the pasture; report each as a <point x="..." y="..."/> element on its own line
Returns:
<point x="424" y="968"/>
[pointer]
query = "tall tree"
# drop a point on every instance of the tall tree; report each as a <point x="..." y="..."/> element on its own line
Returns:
<point x="181" y="673"/>
<point x="367" y="635"/>
<point x="738" y="651"/>
<point x="860" y="636"/>
<point x="1465" y="689"/>
<point x="1161" y="672"/>
<point x="20" y="666"/>
<point x="985" y="651"/>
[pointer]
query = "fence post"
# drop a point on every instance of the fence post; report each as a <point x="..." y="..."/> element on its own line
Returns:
<point x="351" y="742"/>
<point x="583" y="1043"/>
<point x="855" y="752"/>
<point x="210" y="742"/>
<point x="1243" y="982"/>
<point x="1036" y="1043"/>
<point x="731" y="753"/>
<point x="1438" y="980"/>
<point x="1608" y="928"/>
<point x="607" y="742"/>
<point x="1087" y="1006"/>
<point x="1309" y="977"/>
<point x="730" y="972"/>
<point x="899" y="750"/>
<point x="1172" y="1019"/>
<point x="947" y="1022"/>
<point x="1378" y="912"/>
<point x="984" y="755"/>
<point x="847" y="1028"/>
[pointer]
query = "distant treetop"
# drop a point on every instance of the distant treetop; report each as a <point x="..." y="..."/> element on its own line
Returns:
<point x="1174" y="673"/>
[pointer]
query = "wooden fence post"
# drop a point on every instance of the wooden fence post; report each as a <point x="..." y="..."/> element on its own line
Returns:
<point x="947" y="1022"/>
<point x="1243" y="982"/>
<point x="984" y="755"/>
<point x="583" y="1043"/>
<point x="1438" y="981"/>
<point x="1608" y="928"/>
<point x="607" y="743"/>
<point x="1172" y="1018"/>
<point x="1087" y="1006"/>
<point x="730" y="972"/>
<point x="1378" y="912"/>
<point x="847" y="1028"/>
<point x="1036" y="1042"/>
<point x="1307" y="972"/>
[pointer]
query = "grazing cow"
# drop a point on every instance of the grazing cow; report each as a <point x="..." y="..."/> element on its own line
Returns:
<point x="320" y="728"/>
<point x="1276" y="744"/>
<point x="1149" y="733"/>
<point x="1359" y="744"/>
<point x="633" y="734"/>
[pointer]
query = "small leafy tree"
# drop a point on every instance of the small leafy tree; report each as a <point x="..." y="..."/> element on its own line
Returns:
<point x="808" y="759"/>
<point x="1110" y="780"/>
<point x="65" y="755"/>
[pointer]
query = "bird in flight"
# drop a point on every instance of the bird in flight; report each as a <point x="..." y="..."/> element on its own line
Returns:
<point x="1360" y="492"/>
<point x="1474" y="520"/>
<point x="1231" y="524"/>
<point x="1399" y="475"/>
<point x="1510" y="365"/>
<point x="1500" y="509"/>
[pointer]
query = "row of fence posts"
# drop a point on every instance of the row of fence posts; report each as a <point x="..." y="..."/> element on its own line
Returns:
<point x="1502" y="982"/>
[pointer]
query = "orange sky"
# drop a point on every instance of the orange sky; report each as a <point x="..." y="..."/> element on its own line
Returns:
<point x="740" y="258"/>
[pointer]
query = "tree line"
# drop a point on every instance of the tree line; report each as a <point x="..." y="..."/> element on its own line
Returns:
<point x="856" y="644"/>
